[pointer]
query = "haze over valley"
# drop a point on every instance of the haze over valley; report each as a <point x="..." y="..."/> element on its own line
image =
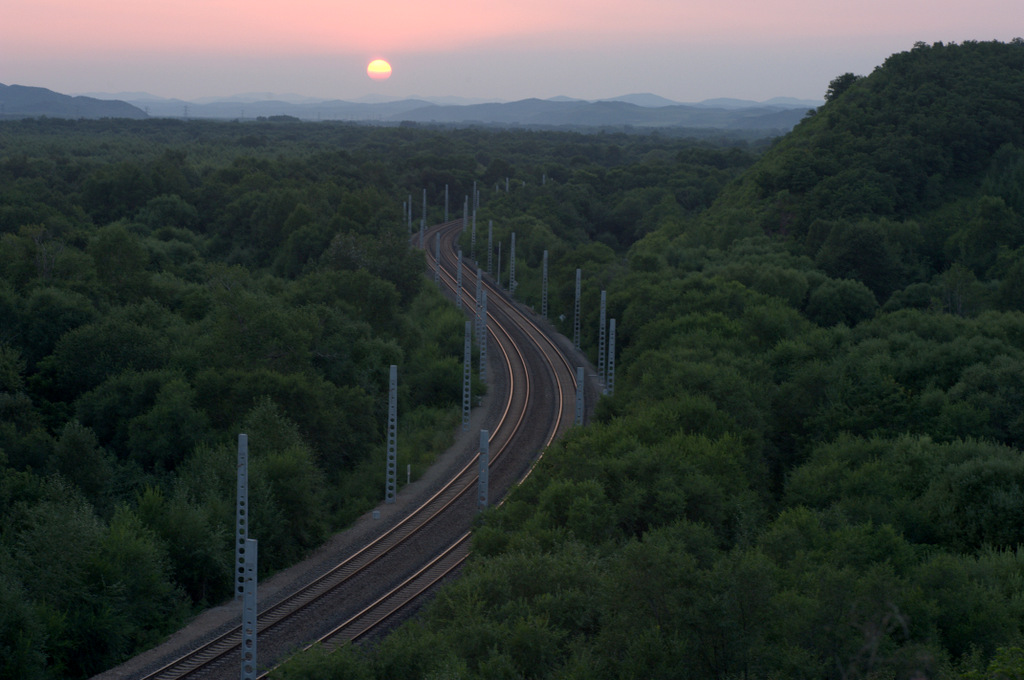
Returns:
<point x="637" y="111"/>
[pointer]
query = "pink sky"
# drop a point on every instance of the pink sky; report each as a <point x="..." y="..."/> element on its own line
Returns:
<point x="681" y="49"/>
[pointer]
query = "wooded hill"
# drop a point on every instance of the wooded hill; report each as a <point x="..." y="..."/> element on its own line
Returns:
<point x="20" y="101"/>
<point x="811" y="466"/>
<point x="901" y="174"/>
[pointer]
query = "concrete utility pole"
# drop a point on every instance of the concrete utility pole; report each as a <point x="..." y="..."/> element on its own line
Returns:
<point x="483" y="481"/>
<point x="472" y="238"/>
<point x="579" y="395"/>
<point x="512" y="267"/>
<point x="483" y="336"/>
<point x="241" y="511"/>
<point x="476" y="300"/>
<point x="437" y="258"/>
<point x="544" y="287"/>
<point x="467" y="368"/>
<point x="600" y="337"/>
<point x="249" y="612"/>
<point x="476" y="196"/>
<point x="405" y="211"/>
<point x="609" y="388"/>
<point x="391" y="483"/>
<point x="576" y="313"/>
<point x="490" y="245"/>
<point x="465" y="212"/>
<point x="477" y="321"/>
<point x="458" y="283"/>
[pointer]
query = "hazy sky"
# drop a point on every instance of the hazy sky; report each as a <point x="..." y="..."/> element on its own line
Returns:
<point x="497" y="49"/>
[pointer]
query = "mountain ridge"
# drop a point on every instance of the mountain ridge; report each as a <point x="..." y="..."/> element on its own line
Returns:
<point x="607" y="113"/>
<point x="22" y="101"/>
<point x="637" y="110"/>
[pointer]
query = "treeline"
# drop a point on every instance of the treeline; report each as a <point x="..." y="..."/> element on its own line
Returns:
<point x="811" y="466"/>
<point x="166" y="285"/>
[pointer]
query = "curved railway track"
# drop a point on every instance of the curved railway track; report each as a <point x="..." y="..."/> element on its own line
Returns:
<point x="364" y="591"/>
<point x="558" y="368"/>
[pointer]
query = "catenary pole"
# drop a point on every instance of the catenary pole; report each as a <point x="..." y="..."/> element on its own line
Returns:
<point x="601" y="337"/>
<point x="483" y="336"/>
<point x="610" y="386"/>
<point x="512" y="266"/>
<point x="437" y="258"/>
<point x="579" y="395"/>
<point x="458" y="283"/>
<point x="392" y="434"/>
<point x="490" y="245"/>
<point x="544" y="287"/>
<point x="241" y="512"/>
<point x="576" y="313"/>
<point x="249" y="612"/>
<point x="467" y="375"/>
<point x="484" y="471"/>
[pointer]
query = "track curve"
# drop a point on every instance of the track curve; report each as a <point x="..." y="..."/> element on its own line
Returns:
<point x="533" y="373"/>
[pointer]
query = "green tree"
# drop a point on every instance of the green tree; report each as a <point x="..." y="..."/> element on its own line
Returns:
<point x="860" y="252"/>
<point x="841" y="301"/>
<point x="164" y="435"/>
<point x="89" y="355"/>
<point x="120" y="262"/>
<point x="48" y="314"/>
<point x="78" y="457"/>
<point x="839" y="85"/>
<point x="196" y="535"/>
<point x="128" y="575"/>
<point x="22" y="632"/>
<point x="12" y="369"/>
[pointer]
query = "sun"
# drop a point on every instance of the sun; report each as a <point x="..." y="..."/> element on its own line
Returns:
<point x="379" y="69"/>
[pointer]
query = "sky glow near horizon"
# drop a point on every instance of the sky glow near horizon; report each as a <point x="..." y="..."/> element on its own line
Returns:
<point x="680" y="49"/>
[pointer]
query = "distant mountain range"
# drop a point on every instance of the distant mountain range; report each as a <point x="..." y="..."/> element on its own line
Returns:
<point x="19" y="101"/>
<point x="645" y="111"/>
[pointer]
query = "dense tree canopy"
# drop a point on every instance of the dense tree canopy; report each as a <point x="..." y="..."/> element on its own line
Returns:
<point x="165" y="285"/>
<point x="811" y="466"/>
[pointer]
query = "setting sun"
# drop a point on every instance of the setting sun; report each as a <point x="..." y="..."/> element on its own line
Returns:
<point x="379" y="69"/>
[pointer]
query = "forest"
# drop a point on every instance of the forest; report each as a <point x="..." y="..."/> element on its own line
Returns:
<point x="166" y="285"/>
<point x="810" y="468"/>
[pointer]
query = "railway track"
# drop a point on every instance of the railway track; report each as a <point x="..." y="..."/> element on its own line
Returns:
<point x="452" y="558"/>
<point x="367" y="589"/>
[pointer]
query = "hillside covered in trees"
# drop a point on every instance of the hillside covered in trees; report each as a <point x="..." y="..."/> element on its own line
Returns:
<point x="166" y="285"/>
<point x="811" y="466"/>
